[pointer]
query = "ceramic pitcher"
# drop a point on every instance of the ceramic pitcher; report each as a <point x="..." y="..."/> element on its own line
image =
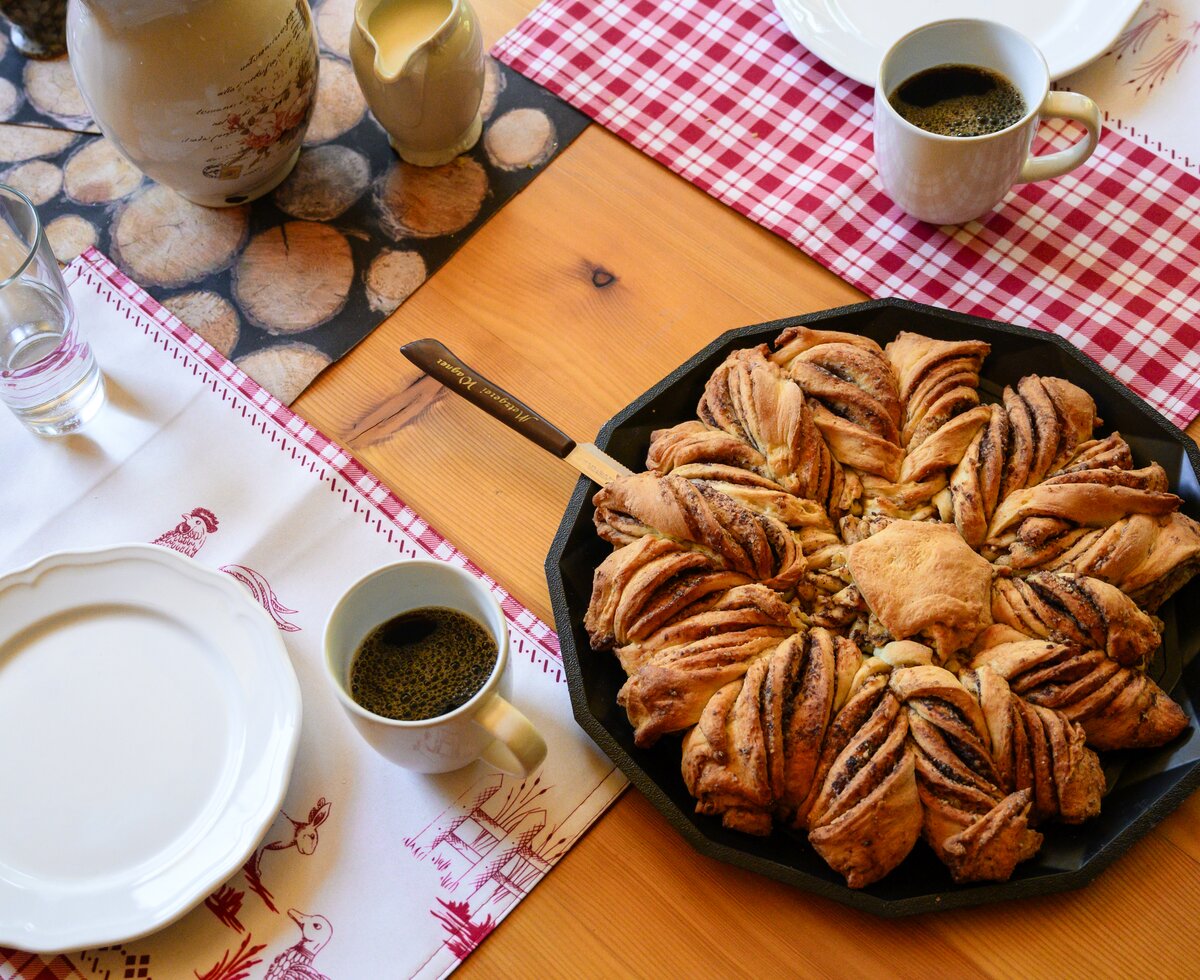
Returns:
<point x="209" y="97"/>
<point x="420" y="66"/>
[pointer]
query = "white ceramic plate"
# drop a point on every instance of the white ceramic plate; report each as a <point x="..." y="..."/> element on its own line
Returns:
<point x="149" y="717"/>
<point x="852" y="35"/>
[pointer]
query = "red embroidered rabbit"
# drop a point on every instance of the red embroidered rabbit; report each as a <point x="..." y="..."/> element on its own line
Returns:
<point x="303" y="838"/>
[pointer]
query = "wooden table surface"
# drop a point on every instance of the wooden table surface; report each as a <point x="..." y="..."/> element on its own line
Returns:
<point x="580" y="294"/>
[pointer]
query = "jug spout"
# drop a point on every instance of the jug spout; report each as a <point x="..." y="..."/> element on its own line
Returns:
<point x="401" y="32"/>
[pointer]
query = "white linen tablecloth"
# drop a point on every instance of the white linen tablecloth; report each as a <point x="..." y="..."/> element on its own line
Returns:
<point x="411" y="872"/>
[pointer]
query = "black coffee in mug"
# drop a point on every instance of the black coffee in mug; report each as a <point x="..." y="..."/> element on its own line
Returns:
<point x="958" y="100"/>
<point x="421" y="664"/>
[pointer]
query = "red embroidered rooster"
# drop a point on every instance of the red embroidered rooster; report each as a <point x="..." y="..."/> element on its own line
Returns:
<point x="296" y="962"/>
<point x="189" y="534"/>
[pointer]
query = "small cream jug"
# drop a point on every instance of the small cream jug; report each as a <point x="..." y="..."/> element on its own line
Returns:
<point x="209" y="97"/>
<point x="420" y="66"/>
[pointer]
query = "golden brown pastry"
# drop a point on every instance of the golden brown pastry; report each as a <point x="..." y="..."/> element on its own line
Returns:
<point x="980" y="831"/>
<point x="1048" y="418"/>
<point x="852" y="394"/>
<point x="757" y="493"/>
<point x="639" y="587"/>
<point x="1111" y="452"/>
<point x="976" y="480"/>
<point x="1038" y="749"/>
<point x="1069" y="608"/>
<point x="1146" y="557"/>
<point x="744" y="613"/>
<point x="668" y="690"/>
<point x="923" y="581"/>
<point x="825" y="558"/>
<point x="805" y="692"/>
<point x="702" y="519"/>
<point x="794" y="341"/>
<point x="902" y="501"/>
<point x="865" y="816"/>
<point x="833" y="498"/>
<point x="1118" y="707"/>
<point x="695" y="442"/>
<point x="725" y="764"/>
<point x="752" y="399"/>
<point x="1036" y="528"/>
<point x="753" y="754"/>
<point x="937" y="380"/>
<point x="1083" y="501"/>
<point x="839" y="610"/>
<point x="944" y="448"/>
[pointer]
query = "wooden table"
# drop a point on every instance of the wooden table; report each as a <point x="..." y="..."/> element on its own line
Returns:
<point x="580" y="294"/>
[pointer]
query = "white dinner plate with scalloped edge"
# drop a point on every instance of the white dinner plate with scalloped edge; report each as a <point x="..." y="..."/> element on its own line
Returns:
<point x="852" y="35"/>
<point x="149" y="718"/>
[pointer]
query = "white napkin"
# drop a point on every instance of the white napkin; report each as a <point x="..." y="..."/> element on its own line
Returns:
<point x="409" y="872"/>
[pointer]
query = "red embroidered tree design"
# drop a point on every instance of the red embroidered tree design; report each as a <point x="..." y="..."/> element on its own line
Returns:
<point x="225" y="903"/>
<point x="1179" y="48"/>
<point x="465" y="934"/>
<point x="234" y="966"/>
<point x="1136" y="35"/>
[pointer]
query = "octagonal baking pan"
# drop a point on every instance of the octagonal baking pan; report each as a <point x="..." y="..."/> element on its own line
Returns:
<point x="1144" y="786"/>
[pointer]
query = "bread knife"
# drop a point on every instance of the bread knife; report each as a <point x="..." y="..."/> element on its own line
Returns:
<point x="441" y="364"/>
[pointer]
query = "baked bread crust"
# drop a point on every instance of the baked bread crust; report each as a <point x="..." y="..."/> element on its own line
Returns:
<point x="923" y="580"/>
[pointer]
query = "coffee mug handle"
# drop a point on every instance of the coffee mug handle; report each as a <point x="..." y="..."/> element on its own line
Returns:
<point x="516" y="748"/>
<point x="1065" y="105"/>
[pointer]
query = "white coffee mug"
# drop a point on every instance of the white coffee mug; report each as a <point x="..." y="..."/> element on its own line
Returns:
<point x="948" y="180"/>
<point x="487" y="726"/>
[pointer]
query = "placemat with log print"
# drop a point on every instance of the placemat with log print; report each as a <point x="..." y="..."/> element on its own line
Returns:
<point x="287" y="284"/>
<point x="718" y="91"/>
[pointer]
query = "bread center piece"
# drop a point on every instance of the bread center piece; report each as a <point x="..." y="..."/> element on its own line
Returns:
<point x="923" y="582"/>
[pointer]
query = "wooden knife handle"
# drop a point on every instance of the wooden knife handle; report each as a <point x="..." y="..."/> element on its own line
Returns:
<point x="440" y="363"/>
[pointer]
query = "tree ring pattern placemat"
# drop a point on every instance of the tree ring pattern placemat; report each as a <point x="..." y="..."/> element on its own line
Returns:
<point x="287" y="284"/>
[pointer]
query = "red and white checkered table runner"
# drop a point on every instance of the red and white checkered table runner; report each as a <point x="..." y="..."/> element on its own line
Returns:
<point x="720" y="92"/>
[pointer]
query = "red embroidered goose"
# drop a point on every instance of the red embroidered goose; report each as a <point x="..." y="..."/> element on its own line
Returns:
<point x="296" y="962"/>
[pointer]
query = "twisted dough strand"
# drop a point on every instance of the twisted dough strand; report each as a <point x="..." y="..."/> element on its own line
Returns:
<point x="852" y="393"/>
<point x="751" y="398"/>
<point x="1118" y="707"/>
<point x="1077" y="609"/>
<point x="867" y="817"/>
<point x="1048" y="419"/>
<point x="937" y="380"/>
<point x="980" y="831"/>
<point x="1039" y="750"/>
<point x="754" y="750"/>
<point x="728" y="569"/>
<point x="699" y="518"/>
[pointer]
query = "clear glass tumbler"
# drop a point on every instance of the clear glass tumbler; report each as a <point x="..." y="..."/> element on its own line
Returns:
<point x="48" y="374"/>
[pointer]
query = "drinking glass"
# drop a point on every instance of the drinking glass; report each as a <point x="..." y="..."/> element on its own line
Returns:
<point x="48" y="374"/>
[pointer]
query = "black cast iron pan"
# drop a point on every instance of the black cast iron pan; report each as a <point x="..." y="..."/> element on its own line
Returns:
<point x="1144" y="786"/>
